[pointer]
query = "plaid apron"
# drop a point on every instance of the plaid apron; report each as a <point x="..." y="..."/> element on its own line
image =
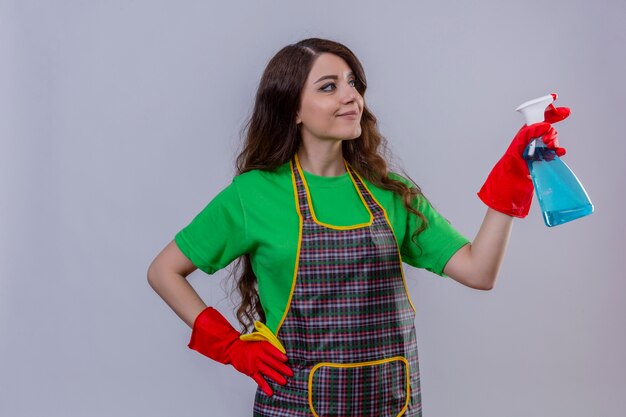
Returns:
<point x="349" y="326"/>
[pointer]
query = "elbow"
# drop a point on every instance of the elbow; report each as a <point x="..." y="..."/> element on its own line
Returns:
<point x="151" y="275"/>
<point x="485" y="278"/>
<point x="487" y="282"/>
<point x="480" y="286"/>
<point x="481" y="281"/>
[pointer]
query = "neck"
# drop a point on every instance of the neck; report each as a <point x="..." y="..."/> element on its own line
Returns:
<point x="323" y="159"/>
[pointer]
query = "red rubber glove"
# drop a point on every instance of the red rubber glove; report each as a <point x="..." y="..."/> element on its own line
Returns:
<point x="213" y="336"/>
<point x="508" y="188"/>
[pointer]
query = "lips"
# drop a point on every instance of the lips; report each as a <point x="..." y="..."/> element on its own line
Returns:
<point x="350" y="113"/>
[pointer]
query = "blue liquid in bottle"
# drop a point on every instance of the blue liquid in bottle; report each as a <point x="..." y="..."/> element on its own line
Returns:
<point x="561" y="196"/>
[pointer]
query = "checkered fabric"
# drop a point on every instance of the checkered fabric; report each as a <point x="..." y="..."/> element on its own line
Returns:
<point x="349" y="329"/>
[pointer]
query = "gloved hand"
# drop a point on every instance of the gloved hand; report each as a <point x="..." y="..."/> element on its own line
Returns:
<point x="508" y="188"/>
<point x="213" y="336"/>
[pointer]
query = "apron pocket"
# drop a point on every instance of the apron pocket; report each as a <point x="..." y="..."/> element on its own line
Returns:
<point x="375" y="388"/>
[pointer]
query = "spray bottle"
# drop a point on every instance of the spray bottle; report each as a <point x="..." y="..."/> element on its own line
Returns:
<point x="561" y="196"/>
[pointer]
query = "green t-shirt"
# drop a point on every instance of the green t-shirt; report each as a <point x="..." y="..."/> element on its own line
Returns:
<point x="257" y="214"/>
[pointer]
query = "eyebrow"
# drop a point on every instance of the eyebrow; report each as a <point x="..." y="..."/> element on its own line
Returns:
<point x="332" y="77"/>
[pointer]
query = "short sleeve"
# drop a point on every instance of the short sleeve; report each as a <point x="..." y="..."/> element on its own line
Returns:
<point x="217" y="235"/>
<point x="436" y="244"/>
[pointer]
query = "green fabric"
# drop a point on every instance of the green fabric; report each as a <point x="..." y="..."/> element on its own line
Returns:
<point x="256" y="214"/>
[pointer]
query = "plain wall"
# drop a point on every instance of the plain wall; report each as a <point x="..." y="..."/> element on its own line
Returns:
<point x="120" y="121"/>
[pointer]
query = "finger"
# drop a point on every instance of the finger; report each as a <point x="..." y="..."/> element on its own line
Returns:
<point x="556" y="114"/>
<point x="536" y="130"/>
<point x="276" y="364"/>
<point x="271" y="350"/>
<point x="550" y="138"/>
<point x="276" y="361"/>
<point x="552" y="142"/>
<point x="272" y="374"/>
<point x="258" y="378"/>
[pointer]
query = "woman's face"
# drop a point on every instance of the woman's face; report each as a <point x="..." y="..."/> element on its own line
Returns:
<point x="328" y="95"/>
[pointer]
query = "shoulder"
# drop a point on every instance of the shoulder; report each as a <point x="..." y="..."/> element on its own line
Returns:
<point x="398" y="177"/>
<point x="391" y="200"/>
<point x="419" y="202"/>
<point x="263" y="186"/>
<point x="257" y="177"/>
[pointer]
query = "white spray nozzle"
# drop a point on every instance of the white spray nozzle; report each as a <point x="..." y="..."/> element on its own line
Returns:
<point x="533" y="110"/>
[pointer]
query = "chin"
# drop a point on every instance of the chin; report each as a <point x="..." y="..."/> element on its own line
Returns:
<point x="349" y="135"/>
<point x="355" y="135"/>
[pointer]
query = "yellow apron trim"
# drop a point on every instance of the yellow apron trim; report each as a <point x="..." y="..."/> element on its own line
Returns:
<point x="263" y="333"/>
<point x="357" y="365"/>
<point x="330" y="226"/>
<point x="295" y="269"/>
<point x="406" y="288"/>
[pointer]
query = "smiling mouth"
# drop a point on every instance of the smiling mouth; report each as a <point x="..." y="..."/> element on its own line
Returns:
<point x="350" y="115"/>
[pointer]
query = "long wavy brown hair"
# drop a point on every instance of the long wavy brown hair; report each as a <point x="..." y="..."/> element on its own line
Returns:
<point x="272" y="138"/>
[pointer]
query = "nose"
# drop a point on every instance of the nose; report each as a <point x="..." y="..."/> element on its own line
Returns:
<point x="350" y="94"/>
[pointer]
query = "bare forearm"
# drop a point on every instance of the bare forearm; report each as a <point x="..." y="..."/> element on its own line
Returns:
<point x="488" y="248"/>
<point x="477" y="265"/>
<point x="176" y="291"/>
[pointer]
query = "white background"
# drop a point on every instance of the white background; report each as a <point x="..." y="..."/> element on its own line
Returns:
<point x="120" y="120"/>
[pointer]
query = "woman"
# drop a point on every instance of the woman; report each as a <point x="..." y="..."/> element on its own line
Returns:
<point x="322" y="228"/>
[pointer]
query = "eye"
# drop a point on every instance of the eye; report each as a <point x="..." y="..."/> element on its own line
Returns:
<point x="353" y="82"/>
